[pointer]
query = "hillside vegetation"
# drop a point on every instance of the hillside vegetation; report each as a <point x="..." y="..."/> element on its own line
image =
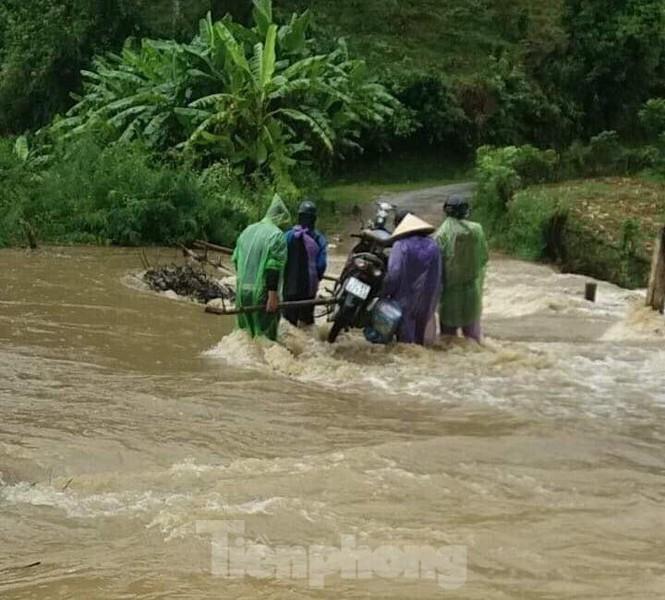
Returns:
<point x="451" y="37"/>
<point x="154" y="121"/>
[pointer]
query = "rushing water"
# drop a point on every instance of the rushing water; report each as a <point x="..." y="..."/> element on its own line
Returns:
<point x="126" y="417"/>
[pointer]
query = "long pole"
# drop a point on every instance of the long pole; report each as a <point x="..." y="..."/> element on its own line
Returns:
<point x="214" y="310"/>
<point x="656" y="290"/>
<point x="214" y="247"/>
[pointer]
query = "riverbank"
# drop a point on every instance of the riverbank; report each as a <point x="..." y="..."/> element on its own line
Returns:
<point x="603" y="228"/>
<point x="598" y="227"/>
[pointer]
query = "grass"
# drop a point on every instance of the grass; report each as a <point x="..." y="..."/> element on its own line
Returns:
<point x="604" y="205"/>
<point x="608" y="232"/>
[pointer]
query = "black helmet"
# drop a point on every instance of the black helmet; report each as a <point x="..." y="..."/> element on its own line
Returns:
<point x="400" y="215"/>
<point x="457" y="207"/>
<point x="307" y="208"/>
<point x="307" y="214"/>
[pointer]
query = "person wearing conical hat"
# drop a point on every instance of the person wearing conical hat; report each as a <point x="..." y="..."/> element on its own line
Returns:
<point x="414" y="277"/>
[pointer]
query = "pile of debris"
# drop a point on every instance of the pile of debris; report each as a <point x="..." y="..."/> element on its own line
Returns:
<point x="188" y="281"/>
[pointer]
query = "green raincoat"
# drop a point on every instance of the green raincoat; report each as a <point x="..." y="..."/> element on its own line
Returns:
<point x="260" y="248"/>
<point x="464" y="252"/>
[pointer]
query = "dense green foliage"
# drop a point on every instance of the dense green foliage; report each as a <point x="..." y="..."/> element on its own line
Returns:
<point x="40" y="58"/>
<point x="207" y="122"/>
<point x="174" y="140"/>
<point x="119" y="195"/>
<point x="254" y="97"/>
<point x="44" y="44"/>
<point x="601" y="230"/>
<point x="470" y="72"/>
<point x="544" y="72"/>
<point x="613" y="61"/>
<point x="501" y="172"/>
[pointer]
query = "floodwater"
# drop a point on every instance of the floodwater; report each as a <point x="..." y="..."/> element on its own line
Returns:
<point x="127" y="418"/>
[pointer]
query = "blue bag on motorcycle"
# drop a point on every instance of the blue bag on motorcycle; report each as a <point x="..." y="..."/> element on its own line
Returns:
<point x="386" y="318"/>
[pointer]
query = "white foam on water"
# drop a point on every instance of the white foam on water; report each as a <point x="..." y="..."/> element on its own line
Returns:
<point x="555" y="377"/>
<point x="542" y="291"/>
<point x="353" y="364"/>
<point x="639" y="323"/>
<point x="174" y="515"/>
<point x="188" y="466"/>
<point x="80" y="506"/>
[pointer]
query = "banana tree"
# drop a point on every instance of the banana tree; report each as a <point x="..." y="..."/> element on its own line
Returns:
<point x="256" y="97"/>
<point x="132" y="95"/>
<point x="255" y="118"/>
<point x="284" y="104"/>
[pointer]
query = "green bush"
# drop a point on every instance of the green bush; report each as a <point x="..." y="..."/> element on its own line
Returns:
<point x="120" y="195"/>
<point x="501" y="172"/>
<point x="652" y="118"/>
<point x="507" y="107"/>
<point x="532" y="225"/>
<point x="608" y="62"/>
<point x="435" y="108"/>
<point x="43" y="46"/>
<point x="606" y="154"/>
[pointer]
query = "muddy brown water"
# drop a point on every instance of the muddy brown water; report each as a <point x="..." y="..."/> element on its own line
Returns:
<point x="126" y="418"/>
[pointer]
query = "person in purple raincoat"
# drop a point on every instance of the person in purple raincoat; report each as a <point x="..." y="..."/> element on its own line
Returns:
<point x="306" y="264"/>
<point x="414" y="278"/>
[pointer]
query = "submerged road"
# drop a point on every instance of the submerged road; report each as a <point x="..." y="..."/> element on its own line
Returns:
<point x="428" y="203"/>
<point x="127" y="420"/>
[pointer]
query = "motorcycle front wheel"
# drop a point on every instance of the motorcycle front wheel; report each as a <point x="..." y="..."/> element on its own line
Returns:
<point x="342" y="320"/>
<point x="335" y="330"/>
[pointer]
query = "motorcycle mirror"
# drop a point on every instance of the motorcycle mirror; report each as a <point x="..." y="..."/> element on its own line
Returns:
<point x="386" y="206"/>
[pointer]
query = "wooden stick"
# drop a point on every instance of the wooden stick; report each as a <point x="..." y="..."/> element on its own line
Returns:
<point x="146" y="263"/>
<point x="215" y="247"/>
<point x="213" y="310"/>
<point x="656" y="290"/>
<point x="187" y="252"/>
<point x="202" y="259"/>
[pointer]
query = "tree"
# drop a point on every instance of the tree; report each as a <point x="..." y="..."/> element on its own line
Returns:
<point x="614" y="58"/>
<point x="43" y="46"/>
<point x="256" y="97"/>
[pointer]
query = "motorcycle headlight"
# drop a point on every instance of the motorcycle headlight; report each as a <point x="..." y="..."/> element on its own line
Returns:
<point x="360" y="264"/>
<point x="378" y="273"/>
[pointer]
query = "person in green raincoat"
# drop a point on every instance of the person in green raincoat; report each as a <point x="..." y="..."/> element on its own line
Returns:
<point x="465" y="255"/>
<point x="259" y="258"/>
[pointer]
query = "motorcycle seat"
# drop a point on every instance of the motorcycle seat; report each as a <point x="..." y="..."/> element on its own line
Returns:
<point x="377" y="236"/>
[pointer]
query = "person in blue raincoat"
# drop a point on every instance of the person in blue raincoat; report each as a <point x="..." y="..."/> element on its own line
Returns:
<point x="306" y="264"/>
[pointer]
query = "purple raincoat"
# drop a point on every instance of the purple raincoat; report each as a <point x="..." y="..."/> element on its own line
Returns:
<point x="414" y="282"/>
<point x="312" y="249"/>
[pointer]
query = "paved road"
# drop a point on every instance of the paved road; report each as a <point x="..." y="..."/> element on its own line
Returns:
<point x="428" y="203"/>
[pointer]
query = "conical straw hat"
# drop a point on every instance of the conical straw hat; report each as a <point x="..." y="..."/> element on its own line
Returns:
<point x="411" y="225"/>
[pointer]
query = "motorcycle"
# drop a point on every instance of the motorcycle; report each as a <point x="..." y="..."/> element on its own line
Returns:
<point x="358" y="288"/>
